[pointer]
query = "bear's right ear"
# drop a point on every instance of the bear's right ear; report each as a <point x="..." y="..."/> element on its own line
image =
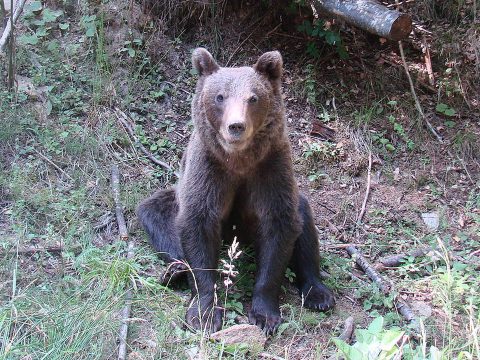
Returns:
<point x="204" y="62"/>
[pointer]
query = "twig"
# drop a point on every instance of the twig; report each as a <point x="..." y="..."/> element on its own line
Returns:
<point x="367" y="191"/>
<point x="417" y="102"/>
<point x="123" y="118"/>
<point x="122" y="229"/>
<point x="348" y="328"/>
<point x="52" y="163"/>
<point x="49" y="249"/>
<point x="368" y="268"/>
<point x="397" y="260"/>
<point x="9" y="27"/>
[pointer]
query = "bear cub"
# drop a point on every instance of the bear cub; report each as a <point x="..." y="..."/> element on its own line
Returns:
<point x="237" y="179"/>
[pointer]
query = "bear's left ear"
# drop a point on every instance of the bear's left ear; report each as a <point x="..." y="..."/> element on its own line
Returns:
<point x="270" y="64"/>
<point x="204" y="62"/>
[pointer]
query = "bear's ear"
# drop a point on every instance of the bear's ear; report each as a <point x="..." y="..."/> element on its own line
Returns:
<point x="270" y="64"/>
<point x="204" y="62"/>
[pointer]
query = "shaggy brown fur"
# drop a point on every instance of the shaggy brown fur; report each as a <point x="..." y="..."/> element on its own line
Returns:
<point x="237" y="170"/>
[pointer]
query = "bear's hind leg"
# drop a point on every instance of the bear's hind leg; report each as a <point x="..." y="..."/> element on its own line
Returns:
<point x="157" y="216"/>
<point x="305" y="262"/>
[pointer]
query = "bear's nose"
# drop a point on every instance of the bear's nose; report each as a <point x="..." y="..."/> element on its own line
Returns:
<point x="236" y="129"/>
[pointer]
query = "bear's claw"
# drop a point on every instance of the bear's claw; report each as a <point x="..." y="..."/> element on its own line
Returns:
<point x="318" y="297"/>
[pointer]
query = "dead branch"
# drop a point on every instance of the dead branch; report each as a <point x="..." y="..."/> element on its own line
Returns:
<point x="123" y="118"/>
<point x="52" y="163"/>
<point x="348" y="328"/>
<point x="122" y="229"/>
<point x="368" y="269"/>
<point x="9" y="28"/>
<point x="414" y="94"/>
<point x="367" y="190"/>
<point x="57" y="250"/>
<point x="397" y="260"/>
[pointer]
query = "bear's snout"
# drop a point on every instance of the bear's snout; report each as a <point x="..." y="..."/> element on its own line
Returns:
<point x="236" y="129"/>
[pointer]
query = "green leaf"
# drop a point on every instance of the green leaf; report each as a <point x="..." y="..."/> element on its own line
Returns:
<point x="28" y="39"/>
<point x="441" y="107"/>
<point x="332" y="37"/>
<point x="390" y="339"/>
<point x="90" y="31"/>
<point x="64" y="26"/>
<point x="450" y="124"/>
<point x="131" y="52"/>
<point x="53" y="45"/>
<point x="34" y="6"/>
<point x="376" y="325"/>
<point x="282" y="328"/>
<point x="350" y="352"/>
<point x="390" y="147"/>
<point x="50" y="16"/>
<point x="449" y="112"/>
<point x="41" y="32"/>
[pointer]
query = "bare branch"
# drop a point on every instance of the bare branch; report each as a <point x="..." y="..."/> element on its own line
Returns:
<point x="367" y="191"/>
<point x="122" y="228"/>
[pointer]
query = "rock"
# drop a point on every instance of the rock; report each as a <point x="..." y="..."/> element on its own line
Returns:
<point x="247" y="334"/>
<point x="431" y="220"/>
<point x="422" y="309"/>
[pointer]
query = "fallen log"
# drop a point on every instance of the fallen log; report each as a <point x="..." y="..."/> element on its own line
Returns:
<point x="368" y="15"/>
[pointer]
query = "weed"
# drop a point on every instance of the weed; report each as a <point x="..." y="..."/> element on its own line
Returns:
<point x="314" y="152"/>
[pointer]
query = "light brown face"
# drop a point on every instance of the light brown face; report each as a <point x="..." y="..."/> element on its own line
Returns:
<point x="236" y="102"/>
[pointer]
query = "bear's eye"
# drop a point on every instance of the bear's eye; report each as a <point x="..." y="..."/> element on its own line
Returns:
<point x="219" y="98"/>
<point x="253" y="99"/>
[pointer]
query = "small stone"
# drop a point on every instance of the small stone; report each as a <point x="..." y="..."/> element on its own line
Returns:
<point x="247" y="334"/>
<point x="431" y="220"/>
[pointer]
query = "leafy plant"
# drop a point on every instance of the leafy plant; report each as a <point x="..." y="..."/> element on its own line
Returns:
<point x="310" y="85"/>
<point x="40" y="20"/>
<point x="321" y="151"/>
<point x="381" y="139"/>
<point x="398" y="128"/>
<point x="445" y="109"/>
<point x="319" y="29"/>
<point x="89" y="25"/>
<point x="372" y="343"/>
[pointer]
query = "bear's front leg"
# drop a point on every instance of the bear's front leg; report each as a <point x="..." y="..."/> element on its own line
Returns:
<point x="204" y="196"/>
<point x="200" y="236"/>
<point x="274" y="197"/>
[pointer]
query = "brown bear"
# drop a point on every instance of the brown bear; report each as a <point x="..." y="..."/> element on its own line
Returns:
<point x="237" y="180"/>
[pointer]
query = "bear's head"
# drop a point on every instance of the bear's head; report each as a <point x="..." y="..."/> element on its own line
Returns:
<point x="238" y="102"/>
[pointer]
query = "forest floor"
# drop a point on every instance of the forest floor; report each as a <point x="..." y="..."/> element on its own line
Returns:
<point x="80" y="68"/>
